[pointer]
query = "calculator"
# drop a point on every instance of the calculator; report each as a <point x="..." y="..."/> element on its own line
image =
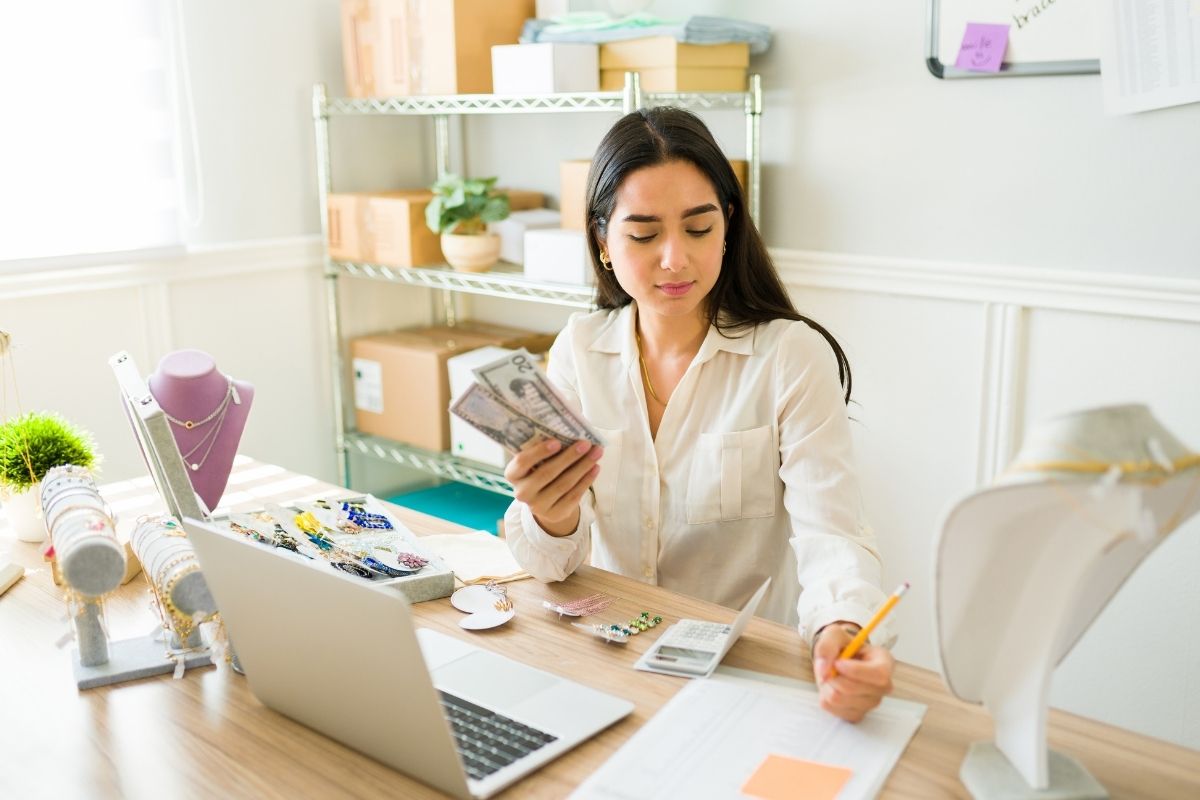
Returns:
<point x="693" y="648"/>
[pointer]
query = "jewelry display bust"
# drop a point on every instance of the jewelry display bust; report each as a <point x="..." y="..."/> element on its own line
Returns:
<point x="207" y="411"/>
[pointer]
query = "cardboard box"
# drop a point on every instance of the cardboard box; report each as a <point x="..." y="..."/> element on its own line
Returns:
<point x="395" y="230"/>
<point x="401" y="388"/>
<point x="524" y="199"/>
<point x="512" y="231"/>
<point x="396" y="48"/>
<point x="665" y="51"/>
<point x="388" y="228"/>
<point x="545" y="68"/>
<point x="572" y="176"/>
<point x="382" y="228"/>
<point x="345" y="213"/>
<point x="683" y="79"/>
<point x="666" y="65"/>
<point x="558" y="256"/>
<point x="505" y="335"/>
<point x="741" y="171"/>
<point x="359" y="42"/>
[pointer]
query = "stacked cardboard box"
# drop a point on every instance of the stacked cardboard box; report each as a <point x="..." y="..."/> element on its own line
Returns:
<point x="396" y="48"/>
<point x="666" y="65"/>
<point x="389" y="228"/>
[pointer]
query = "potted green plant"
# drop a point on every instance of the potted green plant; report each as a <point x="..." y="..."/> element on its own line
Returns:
<point x="460" y="210"/>
<point x="30" y="446"/>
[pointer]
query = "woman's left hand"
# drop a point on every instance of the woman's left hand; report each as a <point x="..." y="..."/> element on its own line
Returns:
<point x="861" y="682"/>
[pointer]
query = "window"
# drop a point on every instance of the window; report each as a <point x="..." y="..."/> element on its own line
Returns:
<point x="87" y="141"/>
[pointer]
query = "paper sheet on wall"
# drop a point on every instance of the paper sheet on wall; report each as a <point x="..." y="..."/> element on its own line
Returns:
<point x="1150" y="55"/>
<point x="712" y="736"/>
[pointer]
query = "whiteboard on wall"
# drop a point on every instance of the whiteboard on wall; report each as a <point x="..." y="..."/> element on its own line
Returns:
<point x="1045" y="37"/>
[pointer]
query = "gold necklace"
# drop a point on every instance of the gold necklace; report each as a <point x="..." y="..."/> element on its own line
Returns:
<point x="646" y="372"/>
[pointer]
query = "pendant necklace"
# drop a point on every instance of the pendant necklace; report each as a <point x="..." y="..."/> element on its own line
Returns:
<point x="210" y="438"/>
<point x="230" y="394"/>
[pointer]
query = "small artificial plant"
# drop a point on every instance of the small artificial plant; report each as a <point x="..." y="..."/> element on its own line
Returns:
<point x="34" y="443"/>
<point x="464" y="206"/>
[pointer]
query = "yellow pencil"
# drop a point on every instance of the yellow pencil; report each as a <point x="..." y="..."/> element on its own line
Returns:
<point x="861" y="638"/>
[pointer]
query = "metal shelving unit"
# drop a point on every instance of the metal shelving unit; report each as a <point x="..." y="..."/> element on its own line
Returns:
<point x="440" y="464"/>
<point x="505" y="281"/>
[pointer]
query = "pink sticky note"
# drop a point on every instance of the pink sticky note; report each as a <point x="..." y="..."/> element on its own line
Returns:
<point x="982" y="47"/>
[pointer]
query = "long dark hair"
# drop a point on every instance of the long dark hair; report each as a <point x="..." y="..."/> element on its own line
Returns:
<point x="748" y="290"/>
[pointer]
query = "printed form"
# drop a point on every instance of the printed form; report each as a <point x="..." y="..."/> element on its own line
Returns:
<point x="1150" y="54"/>
<point x="711" y="737"/>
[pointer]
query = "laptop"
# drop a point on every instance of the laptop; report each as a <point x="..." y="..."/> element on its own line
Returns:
<point x="692" y="648"/>
<point x="344" y="658"/>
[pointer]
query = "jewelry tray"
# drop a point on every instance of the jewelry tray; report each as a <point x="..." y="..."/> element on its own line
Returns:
<point x="431" y="582"/>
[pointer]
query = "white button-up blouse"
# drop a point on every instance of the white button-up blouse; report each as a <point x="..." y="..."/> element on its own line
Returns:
<point x="751" y="475"/>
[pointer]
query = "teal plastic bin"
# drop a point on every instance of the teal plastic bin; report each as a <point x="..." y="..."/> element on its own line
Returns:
<point x="475" y="508"/>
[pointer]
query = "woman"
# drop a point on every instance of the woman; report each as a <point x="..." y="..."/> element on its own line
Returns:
<point x="727" y="454"/>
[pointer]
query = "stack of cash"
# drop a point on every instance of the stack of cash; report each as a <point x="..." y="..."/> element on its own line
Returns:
<point x="513" y="403"/>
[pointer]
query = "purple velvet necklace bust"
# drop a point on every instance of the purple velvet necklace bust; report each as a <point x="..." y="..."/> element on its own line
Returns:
<point x="208" y="412"/>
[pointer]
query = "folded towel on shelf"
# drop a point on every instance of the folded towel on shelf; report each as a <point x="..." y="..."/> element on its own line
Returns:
<point x="598" y="28"/>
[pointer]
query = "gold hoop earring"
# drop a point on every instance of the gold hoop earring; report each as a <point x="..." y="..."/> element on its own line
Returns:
<point x="604" y="262"/>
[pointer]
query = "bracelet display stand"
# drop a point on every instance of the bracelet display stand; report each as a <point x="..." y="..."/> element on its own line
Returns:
<point x="180" y="592"/>
<point x="92" y="563"/>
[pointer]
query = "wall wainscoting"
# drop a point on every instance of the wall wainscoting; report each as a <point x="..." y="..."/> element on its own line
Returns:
<point x="952" y="363"/>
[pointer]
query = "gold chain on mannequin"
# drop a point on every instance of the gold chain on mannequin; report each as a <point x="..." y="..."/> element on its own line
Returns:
<point x="224" y="404"/>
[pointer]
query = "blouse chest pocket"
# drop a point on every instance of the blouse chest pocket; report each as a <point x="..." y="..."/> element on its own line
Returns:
<point x="733" y="476"/>
<point x="604" y="488"/>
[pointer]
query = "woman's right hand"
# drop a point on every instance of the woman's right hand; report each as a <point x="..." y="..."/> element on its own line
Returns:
<point x="551" y="481"/>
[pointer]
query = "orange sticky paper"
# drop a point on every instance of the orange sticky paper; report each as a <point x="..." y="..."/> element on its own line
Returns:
<point x="783" y="778"/>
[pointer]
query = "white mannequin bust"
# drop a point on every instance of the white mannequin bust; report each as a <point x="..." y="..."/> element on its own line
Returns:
<point x="207" y="411"/>
<point x="1024" y="566"/>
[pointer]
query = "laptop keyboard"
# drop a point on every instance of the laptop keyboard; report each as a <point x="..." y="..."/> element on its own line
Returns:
<point x="488" y="741"/>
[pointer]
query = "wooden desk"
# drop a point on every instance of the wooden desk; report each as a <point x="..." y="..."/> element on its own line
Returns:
<point x="207" y="736"/>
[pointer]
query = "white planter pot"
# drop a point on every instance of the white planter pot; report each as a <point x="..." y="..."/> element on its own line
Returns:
<point x="476" y="253"/>
<point x="24" y="511"/>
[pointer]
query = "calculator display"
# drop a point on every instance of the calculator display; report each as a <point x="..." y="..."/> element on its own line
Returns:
<point x="684" y="658"/>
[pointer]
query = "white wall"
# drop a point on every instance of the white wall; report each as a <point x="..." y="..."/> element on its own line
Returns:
<point x="865" y="152"/>
<point x="253" y="66"/>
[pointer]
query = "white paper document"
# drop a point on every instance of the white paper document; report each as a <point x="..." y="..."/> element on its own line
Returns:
<point x="1150" y="54"/>
<point x="709" y="739"/>
<point x="475" y="556"/>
